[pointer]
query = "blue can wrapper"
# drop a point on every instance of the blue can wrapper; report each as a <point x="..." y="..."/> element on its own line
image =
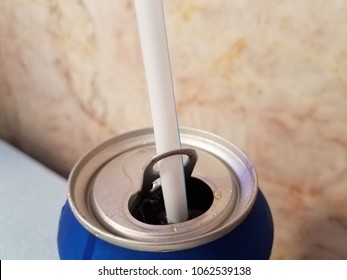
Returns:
<point x="250" y="240"/>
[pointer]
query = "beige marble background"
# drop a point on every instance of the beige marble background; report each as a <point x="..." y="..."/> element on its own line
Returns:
<point x="269" y="75"/>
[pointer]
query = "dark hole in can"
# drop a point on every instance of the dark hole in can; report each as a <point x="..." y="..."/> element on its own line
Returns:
<point x="151" y="209"/>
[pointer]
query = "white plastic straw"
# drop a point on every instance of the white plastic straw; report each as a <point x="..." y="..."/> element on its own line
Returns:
<point x="151" y="24"/>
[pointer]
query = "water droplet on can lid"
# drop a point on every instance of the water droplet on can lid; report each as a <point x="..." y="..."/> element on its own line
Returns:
<point x="217" y="194"/>
<point x="173" y="229"/>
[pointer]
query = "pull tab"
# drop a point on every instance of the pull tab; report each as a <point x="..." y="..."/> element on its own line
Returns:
<point x="150" y="175"/>
<point x="147" y="204"/>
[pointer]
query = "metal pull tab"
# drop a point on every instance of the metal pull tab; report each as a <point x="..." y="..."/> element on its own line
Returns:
<point x="147" y="204"/>
<point x="150" y="175"/>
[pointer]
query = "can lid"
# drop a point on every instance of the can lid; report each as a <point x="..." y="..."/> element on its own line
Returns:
<point x="103" y="182"/>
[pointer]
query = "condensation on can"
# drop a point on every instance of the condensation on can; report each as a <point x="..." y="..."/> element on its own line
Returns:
<point x="104" y="180"/>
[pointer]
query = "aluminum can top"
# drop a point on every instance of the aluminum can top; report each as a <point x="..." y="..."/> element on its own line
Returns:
<point x="104" y="181"/>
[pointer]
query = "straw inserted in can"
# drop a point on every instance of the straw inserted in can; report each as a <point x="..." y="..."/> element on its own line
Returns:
<point x="151" y="24"/>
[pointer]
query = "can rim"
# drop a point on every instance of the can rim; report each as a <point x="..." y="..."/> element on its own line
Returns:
<point x="81" y="211"/>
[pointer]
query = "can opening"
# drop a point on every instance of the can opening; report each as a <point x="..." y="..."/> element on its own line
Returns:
<point x="151" y="209"/>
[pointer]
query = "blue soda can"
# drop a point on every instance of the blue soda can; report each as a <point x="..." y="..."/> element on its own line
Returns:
<point x="115" y="207"/>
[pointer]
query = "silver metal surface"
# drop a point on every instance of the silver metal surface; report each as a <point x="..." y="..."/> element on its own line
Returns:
<point x="103" y="181"/>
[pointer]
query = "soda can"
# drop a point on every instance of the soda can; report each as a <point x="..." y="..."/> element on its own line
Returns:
<point x="115" y="207"/>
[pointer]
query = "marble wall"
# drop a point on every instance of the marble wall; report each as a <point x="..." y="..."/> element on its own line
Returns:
<point x="269" y="75"/>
